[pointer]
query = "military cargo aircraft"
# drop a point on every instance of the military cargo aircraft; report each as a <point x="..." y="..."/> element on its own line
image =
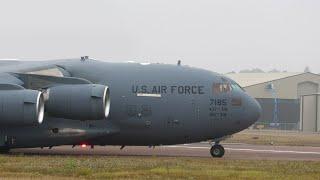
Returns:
<point x="89" y="102"/>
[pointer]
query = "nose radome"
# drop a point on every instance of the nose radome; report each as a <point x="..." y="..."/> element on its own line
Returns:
<point x="254" y="110"/>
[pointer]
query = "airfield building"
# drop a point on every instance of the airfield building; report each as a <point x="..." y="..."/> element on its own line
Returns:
<point x="289" y="101"/>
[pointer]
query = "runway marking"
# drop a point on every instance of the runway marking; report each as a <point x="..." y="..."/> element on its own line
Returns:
<point x="274" y="151"/>
<point x="190" y="147"/>
<point x="252" y="150"/>
<point x="224" y="143"/>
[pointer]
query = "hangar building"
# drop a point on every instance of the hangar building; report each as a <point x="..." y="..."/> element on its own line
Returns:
<point x="280" y="97"/>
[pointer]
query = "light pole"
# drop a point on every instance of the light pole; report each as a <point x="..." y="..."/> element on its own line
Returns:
<point x="275" y="120"/>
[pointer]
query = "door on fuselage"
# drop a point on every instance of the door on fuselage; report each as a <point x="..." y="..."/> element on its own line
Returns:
<point x="182" y="116"/>
<point x="138" y="112"/>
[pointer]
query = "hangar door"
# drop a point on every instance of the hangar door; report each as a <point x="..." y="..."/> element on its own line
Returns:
<point x="310" y="109"/>
<point x="309" y="105"/>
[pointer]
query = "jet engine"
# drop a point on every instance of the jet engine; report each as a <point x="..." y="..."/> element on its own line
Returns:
<point x="78" y="101"/>
<point x="21" y="107"/>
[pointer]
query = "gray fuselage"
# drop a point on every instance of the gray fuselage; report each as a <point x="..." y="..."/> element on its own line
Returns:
<point x="151" y="104"/>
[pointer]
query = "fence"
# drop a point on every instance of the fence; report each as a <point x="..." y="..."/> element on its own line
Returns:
<point x="276" y="126"/>
<point x="279" y="114"/>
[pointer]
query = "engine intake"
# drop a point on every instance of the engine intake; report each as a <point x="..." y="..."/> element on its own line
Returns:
<point x="79" y="102"/>
<point x="21" y="107"/>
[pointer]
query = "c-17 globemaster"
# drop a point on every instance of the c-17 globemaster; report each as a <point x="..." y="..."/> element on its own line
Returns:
<point x="84" y="101"/>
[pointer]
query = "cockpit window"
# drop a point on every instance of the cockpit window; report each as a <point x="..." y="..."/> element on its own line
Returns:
<point x="221" y="88"/>
<point x="225" y="87"/>
<point x="236" y="87"/>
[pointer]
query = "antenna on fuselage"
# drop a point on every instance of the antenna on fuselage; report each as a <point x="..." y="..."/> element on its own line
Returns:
<point x="179" y="63"/>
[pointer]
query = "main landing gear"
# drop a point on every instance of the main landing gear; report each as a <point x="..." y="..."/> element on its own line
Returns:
<point x="217" y="150"/>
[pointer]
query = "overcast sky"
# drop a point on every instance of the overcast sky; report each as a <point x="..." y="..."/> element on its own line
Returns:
<point x="220" y="35"/>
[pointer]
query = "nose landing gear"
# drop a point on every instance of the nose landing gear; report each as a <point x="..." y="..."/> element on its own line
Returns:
<point x="217" y="150"/>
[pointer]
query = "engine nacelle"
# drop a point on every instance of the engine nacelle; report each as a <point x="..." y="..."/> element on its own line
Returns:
<point x="79" y="101"/>
<point x="21" y="107"/>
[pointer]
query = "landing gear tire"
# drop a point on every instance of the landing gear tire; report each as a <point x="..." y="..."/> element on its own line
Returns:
<point x="217" y="151"/>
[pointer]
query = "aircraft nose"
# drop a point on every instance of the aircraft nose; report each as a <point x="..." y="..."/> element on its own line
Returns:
<point x="253" y="111"/>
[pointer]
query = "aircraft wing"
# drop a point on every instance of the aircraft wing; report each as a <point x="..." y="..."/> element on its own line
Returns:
<point x="25" y="90"/>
